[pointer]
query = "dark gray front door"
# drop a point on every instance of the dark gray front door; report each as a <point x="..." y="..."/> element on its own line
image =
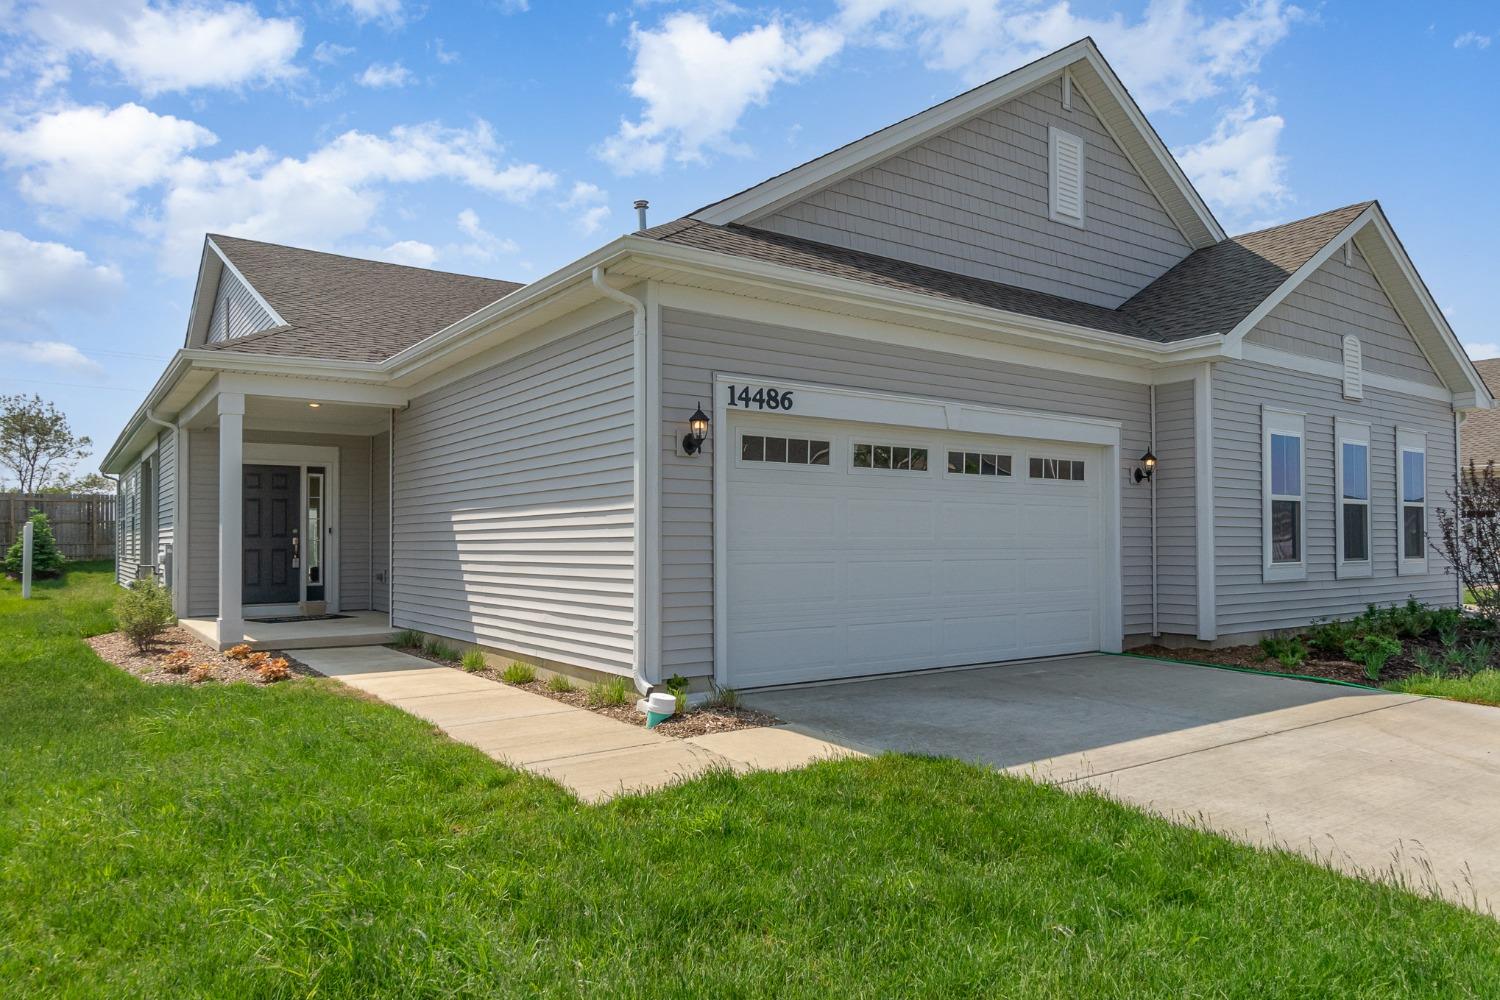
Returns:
<point x="273" y="518"/>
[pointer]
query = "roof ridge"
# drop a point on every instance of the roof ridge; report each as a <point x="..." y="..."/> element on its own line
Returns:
<point x="361" y="260"/>
<point x="1361" y="205"/>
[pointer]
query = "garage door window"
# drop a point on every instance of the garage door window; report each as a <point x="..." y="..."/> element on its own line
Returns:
<point x="783" y="450"/>
<point x="894" y="457"/>
<point x="1057" y="468"/>
<point x="978" y="463"/>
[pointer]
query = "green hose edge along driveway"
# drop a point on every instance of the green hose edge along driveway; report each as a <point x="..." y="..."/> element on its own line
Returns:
<point x="1371" y="782"/>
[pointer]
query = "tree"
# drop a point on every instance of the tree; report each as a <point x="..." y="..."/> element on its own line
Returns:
<point x="1470" y="536"/>
<point x="47" y="559"/>
<point x="92" y="483"/>
<point x="36" y="443"/>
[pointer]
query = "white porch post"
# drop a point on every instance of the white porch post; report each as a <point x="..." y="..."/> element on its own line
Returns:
<point x="231" y="508"/>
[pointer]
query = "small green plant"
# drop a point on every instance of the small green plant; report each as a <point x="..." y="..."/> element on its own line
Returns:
<point x="518" y="673"/>
<point x="440" y="650"/>
<point x="559" y="684"/>
<point x="723" y="697"/>
<point x="143" y="610"/>
<point x="1372" y="651"/>
<point x="1328" y="638"/>
<point x="1289" y="651"/>
<point x="408" y="639"/>
<point x="615" y="691"/>
<point x="1476" y="656"/>
<point x="473" y="661"/>
<point x="1446" y="622"/>
<point x="1430" y="663"/>
<point x="47" y="559"/>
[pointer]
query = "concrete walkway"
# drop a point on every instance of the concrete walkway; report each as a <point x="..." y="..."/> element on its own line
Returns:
<point x="594" y="756"/>
<point x="1376" y="784"/>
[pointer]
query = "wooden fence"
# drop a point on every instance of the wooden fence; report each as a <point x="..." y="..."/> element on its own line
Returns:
<point x="83" y="523"/>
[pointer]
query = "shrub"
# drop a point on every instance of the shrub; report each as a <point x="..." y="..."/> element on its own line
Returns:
<point x="1469" y="536"/>
<point x="1328" y="638"/>
<point x="274" y="670"/>
<point x="1445" y="623"/>
<point x="177" y="661"/>
<point x="1289" y="651"/>
<point x="257" y="660"/>
<point x="202" y="672"/>
<point x="240" y="652"/>
<point x="615" y="691"/>
<point x="559" y="684"/>
<point x="408" y="639"/>
<point x="47" y="559"/>
<point x="1430" y="663"/>
<point x="1476" y="656"/>
<point x="473" y="661"/>
<point x="1414" y="619"/>
<point x="143" y="610"/>
<point x="1371" y="651"/>
<point x="518" y="673"/>
<point x="440" y="650"/>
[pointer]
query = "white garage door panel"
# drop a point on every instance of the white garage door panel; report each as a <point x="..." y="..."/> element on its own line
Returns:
<point x="834" y="571"/>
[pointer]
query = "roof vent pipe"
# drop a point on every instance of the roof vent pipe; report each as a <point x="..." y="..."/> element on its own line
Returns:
<point x="640" y="212"/>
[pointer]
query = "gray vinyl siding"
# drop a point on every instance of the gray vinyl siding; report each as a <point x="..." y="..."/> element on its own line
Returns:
<point x="1176" y="510"/>
<point x="166" y="498"/>
<point x="236" y="312"/>
<point x="128" y="524"/>
<point x="513" y="504"/>
<point x="352" y="530"/>
<point x="1339" y="299"/>
<point x="694" y="346"/>
<point x="1245" y="602"/>
<point x="380" y="512"/>
<point x="974" y="201"/>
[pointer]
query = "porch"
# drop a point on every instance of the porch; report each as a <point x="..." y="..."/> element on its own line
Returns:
<point x="353" y="628"/>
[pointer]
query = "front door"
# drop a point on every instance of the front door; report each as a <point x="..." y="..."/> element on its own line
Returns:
<point x="273" y="519"/>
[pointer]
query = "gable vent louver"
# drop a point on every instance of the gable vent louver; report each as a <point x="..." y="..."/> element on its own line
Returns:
<point x="1066" y="170"/>
<point x="1354" y="376"/>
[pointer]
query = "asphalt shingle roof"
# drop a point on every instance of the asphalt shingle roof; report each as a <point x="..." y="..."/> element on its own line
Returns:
<point x="349" y="309"/>
<point x="1481" y="430"/>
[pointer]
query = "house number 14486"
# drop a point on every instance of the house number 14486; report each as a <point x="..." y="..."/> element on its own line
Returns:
<point x="760" y="399"/>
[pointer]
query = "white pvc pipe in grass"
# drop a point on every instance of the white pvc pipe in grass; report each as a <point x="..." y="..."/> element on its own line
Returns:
<point x="26" y="532"/>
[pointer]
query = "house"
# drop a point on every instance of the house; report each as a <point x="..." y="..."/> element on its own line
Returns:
<point x="990" y="383"/>
<point x="1479" y="432"/>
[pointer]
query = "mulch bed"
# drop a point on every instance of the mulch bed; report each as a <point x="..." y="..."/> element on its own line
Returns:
<point x="695" y="722"/>
<point x="150" y="665"/>
<point x="1398" y="667"/>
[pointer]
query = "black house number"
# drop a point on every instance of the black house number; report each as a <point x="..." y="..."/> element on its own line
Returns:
<point x="761" y="399"/>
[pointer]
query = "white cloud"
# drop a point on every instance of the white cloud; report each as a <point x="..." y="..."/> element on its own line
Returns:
<point x="172" y="47"/>
<point x="386" y="75"/>
<point x="388" y="11"/>
<point x="413" y="253"/>
<point x="52" y="353"/>
<point x="329" y="53"/>
<point x="587" y="201"/>
<point x="1480" y="350"/>
<point x="92" y="161"/>
<point x="696" y="83"/>
<point x="483" y="244"/>
<point x="1239" y="169"/>
<point x="442" y="54"/>
<point x="36" y="277"/>
<point x="1472" y="39"/>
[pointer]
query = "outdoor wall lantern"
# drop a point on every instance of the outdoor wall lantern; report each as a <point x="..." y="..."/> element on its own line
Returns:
<point x="692" y="441"/>
<point x="1148" y="467"/>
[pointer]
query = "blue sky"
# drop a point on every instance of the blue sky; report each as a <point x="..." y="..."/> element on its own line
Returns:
<point x="507" y="138"/>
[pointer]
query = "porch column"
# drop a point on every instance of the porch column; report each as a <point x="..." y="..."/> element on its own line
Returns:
<point x="231" y="510"/>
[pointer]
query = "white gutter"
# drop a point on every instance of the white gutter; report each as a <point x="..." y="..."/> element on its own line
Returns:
<point x="638" y="515"/>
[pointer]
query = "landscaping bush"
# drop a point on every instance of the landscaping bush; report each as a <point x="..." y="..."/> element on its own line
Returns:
<point x="615" y="691"/>
<point x="143" y="610"/>
<point x="177" y="661"/>
<point x="1372" y="651"/>
<point x="1289" y="651"/>
<point x="275" y="670"/>
<point x="473" y="661"/>
<point x="519" y="673"/>
<point x="723" y="697"/>
<point x="1328" y="638"/>
<point x="440" y="650"/>
<point x="559" y="684"/>
<point x="240" y="652"/>
<point x="408" y="639"/>
<point x="202" y="672"/>
<point x="47" y="560"/>
<point x="1469" y="536"/>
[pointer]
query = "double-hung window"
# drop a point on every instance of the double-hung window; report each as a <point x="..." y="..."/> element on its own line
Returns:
<point x="1283" y="511"/>
<point x="1411" y="501"/>
<point x="1353" y="478"/>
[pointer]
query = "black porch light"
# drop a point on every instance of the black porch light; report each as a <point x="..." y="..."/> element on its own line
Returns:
<point x="692" y="441"/>
<point x="1148" y="467"/>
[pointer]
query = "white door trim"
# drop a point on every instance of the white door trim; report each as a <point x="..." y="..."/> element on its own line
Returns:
<point x="811" y="400"/>
<point x="301" y="456"/>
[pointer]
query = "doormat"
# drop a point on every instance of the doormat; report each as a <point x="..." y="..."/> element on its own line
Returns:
<point x="295" y="618"/>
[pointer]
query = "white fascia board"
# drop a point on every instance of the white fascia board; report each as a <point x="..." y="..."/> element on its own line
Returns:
<point x="832" y="167"/>
<point x="116" y="459"/>
<point x="279" y="364"/>
<point x="198" y="313"/>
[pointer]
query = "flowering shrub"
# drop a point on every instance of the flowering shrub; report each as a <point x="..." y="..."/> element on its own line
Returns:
<point x="240" y="652"/>
<point x="274" y="670"/>
<point x="177" y="661"/>
<point x="202" y="672"/>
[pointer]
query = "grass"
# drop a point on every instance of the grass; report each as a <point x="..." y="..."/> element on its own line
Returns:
<point x="517" y="672"/>
<point x="440" y="650"/>
<point x="289" y="841"/>
<point x="408" y="639"/>
<point x="559" y="684"/>
<point x="615" y="691"/>
<point x="1481" y="687"/>
<point x="473" y="661"/>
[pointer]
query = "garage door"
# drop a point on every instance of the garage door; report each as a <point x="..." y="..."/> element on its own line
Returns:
<point x="862" y="549"/>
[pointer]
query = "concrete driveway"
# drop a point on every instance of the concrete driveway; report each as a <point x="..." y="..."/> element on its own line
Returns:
<point x="1382" y="785"/>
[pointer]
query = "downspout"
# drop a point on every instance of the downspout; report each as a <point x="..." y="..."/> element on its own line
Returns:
<point x="156" y="503"/>
<point x="1155" y="622"/>
<point x="643" y="684"/>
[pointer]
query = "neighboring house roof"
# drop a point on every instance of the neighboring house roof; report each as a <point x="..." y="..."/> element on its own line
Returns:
<point x="349" y="309"/>
<point x="1480" y="432"/>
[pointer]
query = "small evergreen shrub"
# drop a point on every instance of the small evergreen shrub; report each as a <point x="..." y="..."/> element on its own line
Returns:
<point x="143" y="610"/>
<point x="47" y="560"/>
<point x="1328" y="638"/>
<point x="1372" y="652"/>
<point x="473" y="661"/>
<point x="1289" y="651"/>
<point x="518" y="673"/>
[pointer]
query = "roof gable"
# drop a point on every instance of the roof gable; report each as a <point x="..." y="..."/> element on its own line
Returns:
<point x="1087" y="71"/>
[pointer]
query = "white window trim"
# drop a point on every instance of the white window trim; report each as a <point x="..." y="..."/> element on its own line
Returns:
<point x="1351" y="432"/>
<point x="1053" y="136"/>
<point x="886" y="441"/>
<point x="1285" y="423"/>
<point x="772" y="431"/>
<point x="1010" y="453"/>
<point x="1411" y="441"/>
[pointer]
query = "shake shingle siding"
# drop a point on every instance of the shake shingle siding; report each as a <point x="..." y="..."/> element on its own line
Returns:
<point x="974" y="201"/>
<point x="1245" y="602"/>
<point x="695" y="346"/>
<point x="513" y="504"/>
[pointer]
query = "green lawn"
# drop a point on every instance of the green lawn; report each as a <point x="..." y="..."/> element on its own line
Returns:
<point x="292" y="841"/>
<point x="1481" y="688"/>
